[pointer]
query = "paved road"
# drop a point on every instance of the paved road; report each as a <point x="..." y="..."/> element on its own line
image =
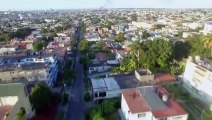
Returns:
<point x="76" y="104"/>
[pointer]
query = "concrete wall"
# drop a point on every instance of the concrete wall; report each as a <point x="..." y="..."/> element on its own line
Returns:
<point x="198" y="77"/>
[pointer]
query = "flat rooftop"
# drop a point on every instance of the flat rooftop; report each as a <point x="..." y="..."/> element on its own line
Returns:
<point x="104" y="84"/>
<point x="203" y="62"/>
<point x="152" y="98"/>
<point x="31" y="66"/>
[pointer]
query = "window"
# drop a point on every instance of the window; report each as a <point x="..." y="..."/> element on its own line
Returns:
<point x="141" y="115"/>
<point x="178" y="118"/>
<point x="102" y="94"/>
<point x="96" y="95"/>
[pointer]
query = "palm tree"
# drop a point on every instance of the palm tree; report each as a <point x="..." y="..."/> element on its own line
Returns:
<point x="208" y="42"/>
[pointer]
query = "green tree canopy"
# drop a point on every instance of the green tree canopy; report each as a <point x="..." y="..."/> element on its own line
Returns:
<point x="82" y="26"/>
<point x="120" y="37"/>
<point x="151" y="54"/>
<point x="40" y="97"/>
<point x="181" y="50"/>
<point x="145" y="34"/>
<point x="83" y="46"/>
<point x="207" y="41"/>
<point x="197" y="46"/>
<point x="159" y="26"/>
<point x="21" y="114"/>
<point x="39" y="46"/>
<point x="74" y="38"/>
<point x="134" y="17"/>
<point x="107" y="106"/>
<point x="51" y="36"/>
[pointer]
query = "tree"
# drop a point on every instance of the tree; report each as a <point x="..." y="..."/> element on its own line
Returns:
<point x="145" y="34"/>
<point x="38" y="46"/>
<point x="207" y="41"/>
<point x="206" y="115"/>
<point x="68" y="75"/>
<point x="95" y="113"/>
<point x="101" y="47"/>
<point x="82" y="26"/>
<point x="136" y="50"/>
<point x="120" y="37"/>
<point x="181" y="50"/>
<point x="21" y="114"/>
<point x="128" y="64"/>
<point x="85" y="61"/>
<point x="159" y="26"/>
<point x="107" y="106"/>
<point x="83" y="46"/>
<point x="40" y="97"/>
<point x="152" y="54"/>
<point x="51" y="36"/>
<point x="134" y="17"/>
<point x="21" y="33"/>
<point x="74" y="38"/>
<point x="197" y="46"/>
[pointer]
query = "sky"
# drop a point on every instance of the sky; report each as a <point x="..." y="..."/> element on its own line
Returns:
<point x="79" y="4"/>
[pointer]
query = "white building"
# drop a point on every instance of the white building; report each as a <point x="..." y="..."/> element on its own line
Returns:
<point x="145" y="104"/>
<point x="8" y="50"/>
<point x="30" y="69"/>
<point x="105" y="88"/>
<point x="198" y="77"/>
<point x="207" y="28"/>
<point x="92" y="36"/>
<point x="191" y="25"/>
<point x="142" y="25"/>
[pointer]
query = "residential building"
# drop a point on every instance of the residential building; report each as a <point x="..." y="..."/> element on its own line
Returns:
<point x="198" y="78"/>
<point x="92" y="36"/>
<point x="207" y="28"/>
<point x="30" y="69"/>
<point x="103" y="88"/>
<point x="148" y="103"/>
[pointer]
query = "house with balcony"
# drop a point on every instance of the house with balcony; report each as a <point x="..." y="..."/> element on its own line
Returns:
<point x="30" y="70"/>
<point x="197" y="79"/>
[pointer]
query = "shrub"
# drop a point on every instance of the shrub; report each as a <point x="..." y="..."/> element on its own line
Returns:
<point x="86" y="96"/>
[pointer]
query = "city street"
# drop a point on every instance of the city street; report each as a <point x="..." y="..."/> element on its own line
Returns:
<point x="76" y="104"/>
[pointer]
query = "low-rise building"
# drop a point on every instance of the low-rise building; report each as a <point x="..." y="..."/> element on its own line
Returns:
<point x="147" y="103"/>
<point x="103" y="88"/>
<point x="30" y="69"/>
<point x="207" y="28"/>
<point x="198" y="78"/>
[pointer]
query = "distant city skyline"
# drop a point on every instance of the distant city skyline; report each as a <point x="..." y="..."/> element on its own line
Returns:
<point x="80" y="4"/>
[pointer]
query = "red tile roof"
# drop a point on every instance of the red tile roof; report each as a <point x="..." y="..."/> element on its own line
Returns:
<point x="164" y="77"/>
<point x="173" y="109"/>
<point x="135" y="101"/>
